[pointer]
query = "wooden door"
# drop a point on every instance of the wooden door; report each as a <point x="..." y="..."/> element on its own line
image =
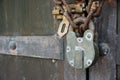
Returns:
<point x="33" y="18"/>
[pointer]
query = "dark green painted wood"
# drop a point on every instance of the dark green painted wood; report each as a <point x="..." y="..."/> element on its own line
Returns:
<point x="118" y="72"/>
<point x="23" y="68"/>
<point x="31" y="17"/>
<point x="118" y="41"/>
<point x="26" y="17"/>
<point x="118" y="31"/>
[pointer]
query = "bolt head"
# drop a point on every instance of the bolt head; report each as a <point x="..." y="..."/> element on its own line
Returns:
<point x="12" y="45"/>
<point x="104" y="49"/>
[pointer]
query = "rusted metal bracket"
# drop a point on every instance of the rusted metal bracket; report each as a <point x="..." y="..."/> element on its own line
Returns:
<point x="49" y="47"/>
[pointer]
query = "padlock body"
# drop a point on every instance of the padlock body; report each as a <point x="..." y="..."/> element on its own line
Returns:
<point x="81" y="52"/>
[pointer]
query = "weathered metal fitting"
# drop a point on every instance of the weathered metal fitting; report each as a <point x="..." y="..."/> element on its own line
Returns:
<point x="63" y="27"/>
<point x="82" y="20"/>
<point x="58" y="2"/>
<point x="57" y="12"/>
<point x="104" y="49"/>
<point x="12" y="45"/>
<point x="77" y="8"/>
<point x="95" y="5"/>
<point x="48" y="47"/>
<point x="80" y="52"/>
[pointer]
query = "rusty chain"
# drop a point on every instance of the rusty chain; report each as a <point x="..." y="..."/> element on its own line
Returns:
<point x="93" y="9"/>
<point x="92" y="12"/>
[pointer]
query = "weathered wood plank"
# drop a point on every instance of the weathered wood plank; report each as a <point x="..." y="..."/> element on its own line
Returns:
<point x="118" y="72"/>
<point x="71" y="73"/>
<point x="105" y="68"/>
<point x="33" y="17"/>
<point x="118" y="51"/>
<point x="118" y="17"/>
<point x="118" y="31"/>
<point x="26" y="17"/>
<point x="22" y="68"/>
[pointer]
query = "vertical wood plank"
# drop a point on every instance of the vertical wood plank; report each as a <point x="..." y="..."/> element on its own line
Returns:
<point x="26" y="17"/>
<point x="71" y="73"/>
<point x="105" y="68"/>
<point x="118" y="31"/>
<point x="118" y="72"/>
<point x="118" y="41"/>
<point x="118" y="17"/>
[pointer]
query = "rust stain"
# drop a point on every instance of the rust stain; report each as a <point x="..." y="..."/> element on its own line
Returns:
<point x="78" y="1"/>
<point x="13" y="52"/>
<point x="110" y="1"/>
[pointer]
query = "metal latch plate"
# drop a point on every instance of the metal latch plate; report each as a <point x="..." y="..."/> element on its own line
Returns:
<point x="50" y="47"/>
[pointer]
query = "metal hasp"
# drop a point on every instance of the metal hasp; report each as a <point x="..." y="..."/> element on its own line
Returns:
<point x="50" y="47"/>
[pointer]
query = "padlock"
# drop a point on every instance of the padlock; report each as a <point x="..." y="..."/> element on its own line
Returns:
<point x="81" y="52"/>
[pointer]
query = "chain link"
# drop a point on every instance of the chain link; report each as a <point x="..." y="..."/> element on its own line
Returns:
<point x="93" y="9"/>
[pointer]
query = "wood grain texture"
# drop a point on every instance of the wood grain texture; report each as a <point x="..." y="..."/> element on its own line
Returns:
<point x="31" y="17"/>
<point x="26" y="17"/>
<point x="118" y="17"/>
<point x="105" y="68"/>
<point x="21" y="16"/>
<point x="118" y="51"/>
<point x="71" y="73"/>
<point x="118" y="42"/>
<point x="118" y="72"/>
<point x="118" y="31"/>
<point x="23" y="68"/>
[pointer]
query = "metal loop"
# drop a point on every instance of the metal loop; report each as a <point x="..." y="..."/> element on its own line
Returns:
<point x="82" y="20"/>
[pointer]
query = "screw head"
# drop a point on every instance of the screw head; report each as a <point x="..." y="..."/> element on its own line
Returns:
<point x="79" y="40"/>
<point x="68" y="49"/>
<point x="72" y="62"/>
<point x="89" y="36"/>
<point x="53" y="60"/>
<point x="89" y="62"/>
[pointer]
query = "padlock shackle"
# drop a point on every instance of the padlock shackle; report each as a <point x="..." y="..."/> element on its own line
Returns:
<point x="83" y="19"/>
